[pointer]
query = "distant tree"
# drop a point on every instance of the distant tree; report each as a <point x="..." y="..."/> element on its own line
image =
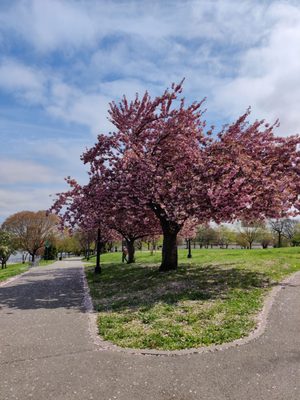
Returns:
<point x="290" y="230"/>
<point x="283" y="228"/>
<point x="296" y="237"/>
<point x="266" y="238"/>
<point x="50" y="251"/>
<point x="7" y="247"/>
<point x="249" y="232"/>
<point x="189" y="232"/>
<point x="206" y="235"/>
<point x="85" y="241"/>
<point x="152" y="242"/>
<point x="30" y="229"/>
<point x="225" y="236"/>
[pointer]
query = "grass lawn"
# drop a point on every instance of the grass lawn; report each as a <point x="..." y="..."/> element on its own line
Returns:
<point x="16" y="269"/>
<point x="213" y="298"/>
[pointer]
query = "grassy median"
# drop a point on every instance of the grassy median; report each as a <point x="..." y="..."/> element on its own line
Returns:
<point x="213" y="298"/>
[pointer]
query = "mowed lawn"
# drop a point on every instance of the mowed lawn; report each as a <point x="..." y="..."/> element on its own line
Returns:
<point x="16" y="269"/>
<point x="213" y="298"/>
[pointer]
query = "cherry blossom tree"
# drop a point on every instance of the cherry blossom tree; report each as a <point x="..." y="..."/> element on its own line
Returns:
<point x="169" y="164"/>
<point x="131" y="220"/>
<point x="80" y="208"/>
<point x="97" y="206"/>
<point x="133" y="225"/>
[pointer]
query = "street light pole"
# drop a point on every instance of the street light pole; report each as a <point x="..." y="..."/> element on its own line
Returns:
<point x="98" y="267"/>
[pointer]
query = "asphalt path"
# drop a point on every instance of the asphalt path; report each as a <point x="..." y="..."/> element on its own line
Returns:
<point x="47" y="351"/>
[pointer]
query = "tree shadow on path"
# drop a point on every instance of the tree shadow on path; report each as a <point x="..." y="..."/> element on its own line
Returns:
<point x="51" y="289"/>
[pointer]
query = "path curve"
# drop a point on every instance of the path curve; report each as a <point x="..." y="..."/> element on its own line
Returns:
<point x="47" y="352"/>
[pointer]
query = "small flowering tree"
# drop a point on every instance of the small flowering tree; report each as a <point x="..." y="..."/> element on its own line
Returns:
<point x="189" y="232"/>
<point x="79" y="209"/>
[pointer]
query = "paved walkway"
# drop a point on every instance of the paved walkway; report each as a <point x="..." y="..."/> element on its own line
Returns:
<point x="46" y="351"/>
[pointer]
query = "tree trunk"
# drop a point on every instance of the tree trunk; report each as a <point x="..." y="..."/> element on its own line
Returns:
<point x="131" y="250"/>
<point x="189" y="249"/>
<point x="169" y="252"/>
<point x="279" y="239"/>
<point x="88" y="250"/>
<point x="98" y="267"/>
<point x="170" y="231"/>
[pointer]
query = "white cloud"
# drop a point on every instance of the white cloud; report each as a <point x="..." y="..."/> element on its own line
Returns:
<point x="238" y="53"/>
<point x="23" y="171"/>
<point x="268" y="78"/>
<point x="13" y="200"/>
<point x="50" y="24"/>
<point x="75" y="105"/>
<point x="61" y="100"/>
<point x="22" y="80"/>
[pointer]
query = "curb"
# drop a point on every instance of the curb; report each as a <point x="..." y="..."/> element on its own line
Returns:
<point x="261" y="321"/>
<point x="13" y="278"/>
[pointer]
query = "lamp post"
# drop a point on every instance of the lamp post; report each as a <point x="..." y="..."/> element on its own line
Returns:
<point x="47" y="245"/>
<point x="98" y="267"/>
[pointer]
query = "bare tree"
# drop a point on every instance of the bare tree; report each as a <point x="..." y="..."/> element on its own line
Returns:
<point x="249" y="232"/>
<point x="30" y="229"/>
<point x="283" y="228"/>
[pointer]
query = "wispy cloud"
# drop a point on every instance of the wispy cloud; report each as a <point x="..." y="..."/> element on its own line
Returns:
<point x="14" y="200"/>
<point x="22" y="80"/>
<point x="17" y="171"/>
<point x="268" y="75"/>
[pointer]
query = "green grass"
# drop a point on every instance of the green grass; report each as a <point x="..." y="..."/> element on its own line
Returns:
<point x="12" y="270"/>
<point x="212" y="298"/>
<point x="16" y="269"/>
<point x="46" y="262"/>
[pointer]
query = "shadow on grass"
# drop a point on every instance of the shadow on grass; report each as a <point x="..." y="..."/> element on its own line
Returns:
<point x="137" y="286"/>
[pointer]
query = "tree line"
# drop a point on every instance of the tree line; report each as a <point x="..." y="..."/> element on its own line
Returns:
<point x="38" y="233"/>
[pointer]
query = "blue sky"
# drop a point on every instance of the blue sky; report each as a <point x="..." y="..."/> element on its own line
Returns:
<point x="61" y="62"/>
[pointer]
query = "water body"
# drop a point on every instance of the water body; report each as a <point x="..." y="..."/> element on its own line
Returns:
<point x="17" y="257"/>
